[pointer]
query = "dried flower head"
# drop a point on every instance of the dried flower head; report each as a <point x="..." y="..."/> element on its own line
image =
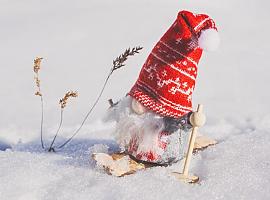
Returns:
<point x="63" y="101"/>
<point x="37" y="80"/>
<point x="37" y="63"/>
<point x="38" y="94"/>
<point x="120" y="60"/>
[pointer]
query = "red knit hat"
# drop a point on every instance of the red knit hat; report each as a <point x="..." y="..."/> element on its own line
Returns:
<point x="167" y="79"/>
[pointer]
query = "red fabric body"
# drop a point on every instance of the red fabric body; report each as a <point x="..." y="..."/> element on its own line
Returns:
<point x="149" y="156"/>
<point x="167" y="79"/>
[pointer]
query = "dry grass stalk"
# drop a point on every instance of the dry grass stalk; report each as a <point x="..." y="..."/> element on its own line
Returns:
<point x="37" y="64"/>
<point x="63" y="103"/>
<point x="64" y="100"/>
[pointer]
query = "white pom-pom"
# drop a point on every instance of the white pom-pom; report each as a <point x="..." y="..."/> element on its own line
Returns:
<point x="209" y="40"/>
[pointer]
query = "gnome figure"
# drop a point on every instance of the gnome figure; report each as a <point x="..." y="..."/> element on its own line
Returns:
<point x="155" y="118"/>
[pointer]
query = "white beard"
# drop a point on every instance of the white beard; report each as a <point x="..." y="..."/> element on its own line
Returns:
<point x="145" y="128"/>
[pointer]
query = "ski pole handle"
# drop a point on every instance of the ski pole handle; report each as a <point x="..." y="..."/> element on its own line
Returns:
<point x="197" y="119"/>
<point x="200" y="108"/>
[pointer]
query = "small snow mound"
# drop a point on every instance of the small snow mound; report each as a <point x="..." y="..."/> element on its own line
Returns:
<point x="4" y="146"/>
<point x="98" y="148"/>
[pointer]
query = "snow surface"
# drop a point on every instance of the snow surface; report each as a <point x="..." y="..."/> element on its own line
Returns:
<point x="78" y="41"/>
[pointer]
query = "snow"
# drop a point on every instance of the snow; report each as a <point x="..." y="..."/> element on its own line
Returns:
<point x="78" y="42"/>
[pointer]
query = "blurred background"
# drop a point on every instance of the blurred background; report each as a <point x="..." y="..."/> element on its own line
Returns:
<point x="79" y="39"/>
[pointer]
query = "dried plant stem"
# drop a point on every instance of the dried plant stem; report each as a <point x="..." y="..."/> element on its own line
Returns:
<point x="38" y="93"/>
<point x="63" y="103"/>
<point x="41" y="123"/>
<point x="89" y="112"/>
<point x="56" y="134"/>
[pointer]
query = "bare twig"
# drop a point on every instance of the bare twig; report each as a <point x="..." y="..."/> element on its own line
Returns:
<point x="117" y="64"/>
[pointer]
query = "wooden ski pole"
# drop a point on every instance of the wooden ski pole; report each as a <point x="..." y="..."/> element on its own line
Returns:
<point x="184" y="176"/>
